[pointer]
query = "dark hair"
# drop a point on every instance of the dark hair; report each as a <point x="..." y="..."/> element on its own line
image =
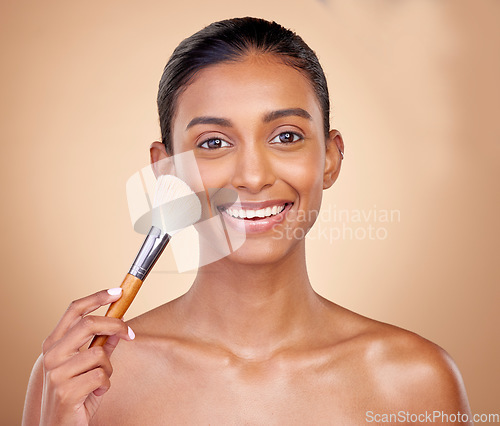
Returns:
<point x="233" y="40"/>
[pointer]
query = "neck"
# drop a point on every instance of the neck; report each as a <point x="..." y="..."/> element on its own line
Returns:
<point x="252" y="310"/>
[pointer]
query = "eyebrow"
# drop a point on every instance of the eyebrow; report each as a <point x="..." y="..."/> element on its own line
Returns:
<point x="274" y="115"/>
<point x="270" y="116"/>
<point x="224" y="122"/>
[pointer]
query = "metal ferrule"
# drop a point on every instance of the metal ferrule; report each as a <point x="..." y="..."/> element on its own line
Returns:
<point x="151" y="249"/>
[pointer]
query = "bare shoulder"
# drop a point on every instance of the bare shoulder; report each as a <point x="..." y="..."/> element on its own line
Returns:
<point x="415" y="361"/>
<point x="406" y="371"/>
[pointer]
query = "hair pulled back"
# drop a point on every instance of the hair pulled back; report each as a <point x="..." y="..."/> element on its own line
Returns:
<point x="233" y="40"/>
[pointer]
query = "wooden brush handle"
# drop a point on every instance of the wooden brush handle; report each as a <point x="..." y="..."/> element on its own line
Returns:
<point x="130" y="286"/>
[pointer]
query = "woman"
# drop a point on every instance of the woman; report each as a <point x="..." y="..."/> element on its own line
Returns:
<point x="250" y="342"/>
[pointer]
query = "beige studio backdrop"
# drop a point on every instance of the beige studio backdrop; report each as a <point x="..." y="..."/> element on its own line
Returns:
<point x="415" y="93"/>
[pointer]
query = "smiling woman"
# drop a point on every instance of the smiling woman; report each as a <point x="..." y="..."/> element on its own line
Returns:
<point x="251" y="342"/>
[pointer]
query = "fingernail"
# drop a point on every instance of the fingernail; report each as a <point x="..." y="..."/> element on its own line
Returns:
<point x="114" y="291"/>
<point x="131" y="334"/>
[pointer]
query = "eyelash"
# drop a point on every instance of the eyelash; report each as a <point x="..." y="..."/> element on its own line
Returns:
<point x="206" y="141"/>
<point x="296" y="137"/>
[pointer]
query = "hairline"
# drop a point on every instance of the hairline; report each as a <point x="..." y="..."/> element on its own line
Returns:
<point x="249" y="52"/>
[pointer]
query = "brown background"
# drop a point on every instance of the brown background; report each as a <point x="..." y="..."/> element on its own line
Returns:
<point x="415" y="92"/>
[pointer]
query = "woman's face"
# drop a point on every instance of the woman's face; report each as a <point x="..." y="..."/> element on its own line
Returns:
<point x="256" y="127"/>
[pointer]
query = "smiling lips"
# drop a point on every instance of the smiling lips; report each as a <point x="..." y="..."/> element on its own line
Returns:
<point x="255" y="217"/>
<point x="250" y="214"/>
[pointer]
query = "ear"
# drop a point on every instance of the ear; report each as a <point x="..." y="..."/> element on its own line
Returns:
<point x="161" y="162"/>
<point x="333" y="158"/>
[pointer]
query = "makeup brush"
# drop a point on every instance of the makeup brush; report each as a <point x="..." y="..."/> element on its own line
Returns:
<point x="175" y="207"/>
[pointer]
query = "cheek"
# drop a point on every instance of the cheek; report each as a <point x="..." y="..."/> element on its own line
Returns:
<point x="305" y="174"/>
<point x="214" y="174"/>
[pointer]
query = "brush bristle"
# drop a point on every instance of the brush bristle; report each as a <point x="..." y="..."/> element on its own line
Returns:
<point x="175" y="205"/>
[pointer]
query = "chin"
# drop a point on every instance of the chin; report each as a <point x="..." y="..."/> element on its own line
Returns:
<point x="264" y="251"/>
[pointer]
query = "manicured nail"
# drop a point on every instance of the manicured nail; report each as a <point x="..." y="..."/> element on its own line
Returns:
<point x="131" y="334"/>
<point x="114" y="291"/>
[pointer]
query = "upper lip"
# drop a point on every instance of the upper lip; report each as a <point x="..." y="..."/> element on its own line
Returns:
<point x="254" y="205"/>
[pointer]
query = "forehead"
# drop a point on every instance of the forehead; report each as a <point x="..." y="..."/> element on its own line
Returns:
<point x="246" y="89"/>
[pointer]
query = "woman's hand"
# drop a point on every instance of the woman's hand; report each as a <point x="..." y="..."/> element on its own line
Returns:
<point x="75" y="378"/>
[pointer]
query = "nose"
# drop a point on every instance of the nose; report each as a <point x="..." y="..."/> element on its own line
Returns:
<point x="253" y="169"/>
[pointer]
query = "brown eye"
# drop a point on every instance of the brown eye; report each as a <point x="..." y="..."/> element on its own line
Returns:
<point x="286" y="137"/>
<point x="214" y="143"/>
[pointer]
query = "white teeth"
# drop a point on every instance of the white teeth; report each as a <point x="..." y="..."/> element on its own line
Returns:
<point x="246" y="213"/>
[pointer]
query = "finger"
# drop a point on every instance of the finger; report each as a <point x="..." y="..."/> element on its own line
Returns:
<point x="81" y="333"/>
<point x="86" y="361"/>
<point x="82" y="385"/>
<point x="110" y="345"/>
<point x="76" y="310"/>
